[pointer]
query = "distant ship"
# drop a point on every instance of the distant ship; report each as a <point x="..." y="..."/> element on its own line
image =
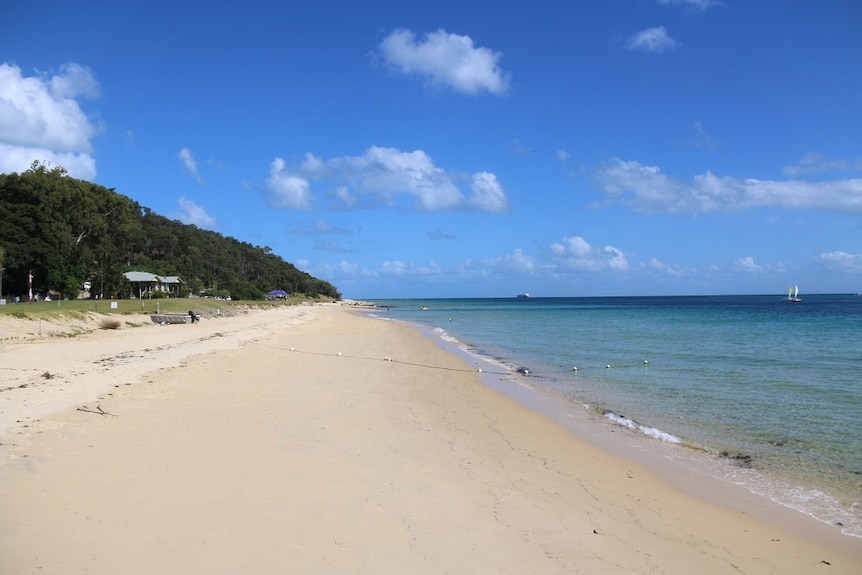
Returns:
<point x="523" y="295"/>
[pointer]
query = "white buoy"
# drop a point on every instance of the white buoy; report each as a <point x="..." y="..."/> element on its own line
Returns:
<point x="479" y="370"/>
<point x="339" y="354"/>
<point x="646" y="362"/>
<point x="292" y="349"/>
<point x="608" y="366"/>
<point x="575" y="368"/>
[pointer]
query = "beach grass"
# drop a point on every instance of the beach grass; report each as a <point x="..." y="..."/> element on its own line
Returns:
<point x="72" y="309"/>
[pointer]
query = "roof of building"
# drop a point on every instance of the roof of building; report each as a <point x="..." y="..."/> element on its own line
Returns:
<point x="141" y="276"/>
<point x="147" y="277"/>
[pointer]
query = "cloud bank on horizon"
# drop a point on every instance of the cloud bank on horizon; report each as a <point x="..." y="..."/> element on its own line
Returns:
<point x="518" y="164"/>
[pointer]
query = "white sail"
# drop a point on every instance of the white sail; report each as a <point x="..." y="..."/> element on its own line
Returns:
<point x="793" y="294"/>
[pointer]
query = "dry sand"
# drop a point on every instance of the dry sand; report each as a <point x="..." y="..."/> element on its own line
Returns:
<point x="214" y="448"/>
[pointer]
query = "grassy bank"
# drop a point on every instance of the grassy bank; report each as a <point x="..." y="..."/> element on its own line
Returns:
<point x="72" y="308"/>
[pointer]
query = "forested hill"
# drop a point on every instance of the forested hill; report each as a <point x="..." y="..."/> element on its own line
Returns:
<point x="70" y="231"/>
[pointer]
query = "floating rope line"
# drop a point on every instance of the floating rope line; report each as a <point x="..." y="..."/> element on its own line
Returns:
<point x="520" y="370"/>
<point x="391" y="360"/>
<point x="575" y="369"/>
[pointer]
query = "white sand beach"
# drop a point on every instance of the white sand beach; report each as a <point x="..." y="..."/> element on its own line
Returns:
<point x="312" y="439"/>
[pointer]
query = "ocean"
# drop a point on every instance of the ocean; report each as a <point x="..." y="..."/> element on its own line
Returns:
<point x="767" y="394"/>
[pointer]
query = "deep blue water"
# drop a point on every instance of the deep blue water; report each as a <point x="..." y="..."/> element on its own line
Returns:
<point x="775" y="385"/>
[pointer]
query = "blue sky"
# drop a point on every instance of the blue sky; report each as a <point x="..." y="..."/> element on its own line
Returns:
<point x="482" y="148"/>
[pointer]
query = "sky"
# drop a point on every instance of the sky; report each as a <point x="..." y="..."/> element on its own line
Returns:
<point x="467" y="149"/>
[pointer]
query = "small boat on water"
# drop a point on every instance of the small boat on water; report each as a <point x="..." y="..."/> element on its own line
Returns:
<point x="793" y="295"/>
<point x="523" y="295"/>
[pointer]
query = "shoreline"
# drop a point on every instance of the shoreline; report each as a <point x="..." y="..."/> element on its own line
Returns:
<point x="680" y="465"/>
<point x="330" y="458"/>
<point x="789" y="466"/>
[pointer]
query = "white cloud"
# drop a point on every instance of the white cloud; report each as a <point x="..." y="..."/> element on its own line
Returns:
<point x="196" y="215"/>
<point x="576" y="253"/>
<point x="654" y="40"/>
<point x="385" y="175"/>
<point x="817" y="163"/>
<point x="446" y="59"/>
<point x="312" y="163"/>
<point x="41" y="119"/>
<point x="656" y="265"/>
<point x="191" y="165"/>
<point x="74" y="80"/>
<point x="648" y="189"/>
<point x="563" y="155"/>
<point x="439" y="234"/>
<point x="510" y="265"/>
<point x="344" y="269"/>
<point x="747" y="264"/>
<point x="386" y="172"/>
<point x="341" y="272"/>
<point x="394" y="267"/>
<point x="695" y="4"/>
<point x="20" y="158"/>
<point x="488" y="194"/>
<point x="570" y="257"/>
<point x="615" y="258"/>
<point x="344" y="197"/>
<point x="403" y="269"/>
<point x="519" y="261"/>
<point x="702" y="138"/>
<point x="288" y="190"/>
<point x="842" y="261"/>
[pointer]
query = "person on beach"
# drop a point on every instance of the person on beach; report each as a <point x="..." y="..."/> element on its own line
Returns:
<point x="195" y="317"/>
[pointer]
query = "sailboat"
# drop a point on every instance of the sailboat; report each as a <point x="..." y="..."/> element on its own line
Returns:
<point x="793" y="294"/>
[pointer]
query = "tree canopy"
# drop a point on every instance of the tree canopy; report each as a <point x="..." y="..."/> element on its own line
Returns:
<point x="70" y="231"/>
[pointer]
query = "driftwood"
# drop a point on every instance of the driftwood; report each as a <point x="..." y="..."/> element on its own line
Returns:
<point x="97" y="411"/>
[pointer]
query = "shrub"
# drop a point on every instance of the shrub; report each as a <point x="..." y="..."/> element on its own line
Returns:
<point x="110" y="323"/>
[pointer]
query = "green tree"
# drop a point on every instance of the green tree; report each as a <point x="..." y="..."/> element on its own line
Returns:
<point x="69" y="231"/>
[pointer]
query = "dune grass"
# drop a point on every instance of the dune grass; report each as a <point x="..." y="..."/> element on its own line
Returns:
<point x="76" y="308"/>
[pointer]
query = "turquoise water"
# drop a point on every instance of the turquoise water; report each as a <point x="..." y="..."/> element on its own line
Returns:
<point x="772" y="388"/>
